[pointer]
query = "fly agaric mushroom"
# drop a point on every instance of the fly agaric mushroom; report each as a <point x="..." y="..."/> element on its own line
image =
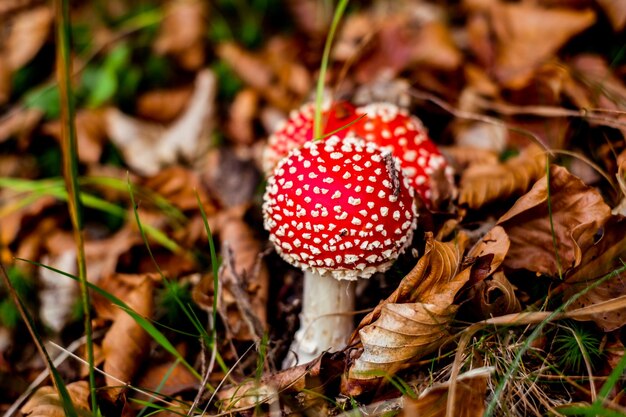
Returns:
<point x="393" y="129"/>
<point x="339" y="209"/>
<point x="298" y="129"/>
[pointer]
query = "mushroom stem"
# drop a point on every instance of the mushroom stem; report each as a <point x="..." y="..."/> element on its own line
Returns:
<point x="326" y="321"/>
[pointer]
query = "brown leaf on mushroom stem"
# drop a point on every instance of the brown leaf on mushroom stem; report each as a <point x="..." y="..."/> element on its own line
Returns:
<point x="414" y="320"/>
<point x="45" y="402"/>
<point x="126" y="343"/>
<point x="470" y="397"/>
<point x="148" y="147"/>
<point x="598" y="260"/>
<point x="528" y="34"/>
<point x="437" y="266"/>
<point x="615" y="11"/>
<point x="182" y="32"/>
<point x="90" y="134"/>
<point x="578" y="212"/>
<point x="163" y="106"/>
<point x="485" y="183"/>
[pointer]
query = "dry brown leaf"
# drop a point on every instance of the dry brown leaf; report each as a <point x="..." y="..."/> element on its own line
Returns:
<point x="26" y="35"/>
<point x="179" y="379"/>
<point x="600" y="259"/>
<point x="470" y="397"/>
<point x="528" y="34"/>
<point x="310" y="16"/>
<point x="615" y="11"/>
<point x="163" y="106"/>
<point x="600" y="86"/>
<point x="90" y="134"/>
<point x="578" y="211"/>
<point x="18" y="122"/>
<point x="481" y="135"/>
<point x="45" y="402"/>
<point x="243" y="110"/>
<point x="414" y="320"/>
<point x="461" y="157"/>
<point x="182" y="32"/>
<point x="148" y="147"/>
<point x="276" y="72"/>
<point x="493" y="245"/>
<point x="179" y="186"/>
<point x="353" y="37"/>
<point x="126" y="343"/>
<point x="485" y="183"/>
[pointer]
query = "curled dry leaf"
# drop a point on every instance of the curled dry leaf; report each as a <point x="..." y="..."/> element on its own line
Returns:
<point x="414" y="320"/>
<point x="148" y="147"/>
<point x="598" y="260"/>
<point x="434" y="270"/>
<point x="182" y="32"/>
<point x="489" y="253"/>
<point x="470" y="397"/>
<point x="485" y="183"/>
<point x="494" y="296"/>
<point x="46" y="402"/>
<point x="578" y="212"/>
<point x="126" y="343"/>
<point x="528" y="34"/>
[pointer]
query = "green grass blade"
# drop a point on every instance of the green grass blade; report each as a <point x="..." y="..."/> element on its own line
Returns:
<point x="69" y="148"/>
<point x="317" y="126"/>
<point x="214" y="265"/>
<point x="66" y="400"/>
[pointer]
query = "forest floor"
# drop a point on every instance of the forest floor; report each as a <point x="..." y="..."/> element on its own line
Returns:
<point x="132" y="179"/>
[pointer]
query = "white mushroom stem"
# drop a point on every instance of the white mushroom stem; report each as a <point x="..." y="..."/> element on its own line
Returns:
<point x="326" y="321"/>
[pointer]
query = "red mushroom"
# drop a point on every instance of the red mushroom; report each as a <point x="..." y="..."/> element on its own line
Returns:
<point x="298" y="129"/>
<point x="394" y="129"/>
<point x="339" y="209"/>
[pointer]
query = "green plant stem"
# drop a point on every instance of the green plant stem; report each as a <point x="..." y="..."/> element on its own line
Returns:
<point x="70" y="172"/>
<point x="317" y="126"/>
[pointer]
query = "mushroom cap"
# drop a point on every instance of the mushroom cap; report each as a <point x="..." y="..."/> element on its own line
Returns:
<point x="339" y="207"/>
<point x="298" y="129"/>
<point x="393" y="129"/>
